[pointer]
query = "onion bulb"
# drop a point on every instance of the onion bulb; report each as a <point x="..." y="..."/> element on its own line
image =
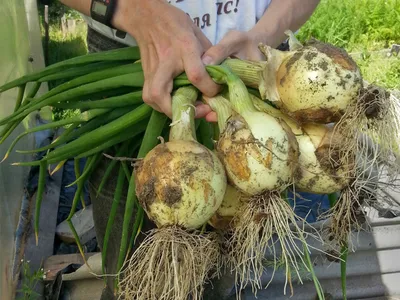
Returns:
<point x="312" y="83"/>
<point x="256" y="160"/>
<point x="316" y="172"/>
<point x="180" y="185"/>
<point x="232" y="204"/>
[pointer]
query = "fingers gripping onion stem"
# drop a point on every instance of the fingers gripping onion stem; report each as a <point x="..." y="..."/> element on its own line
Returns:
<point x="312" y="83"/>
<point x="180" y="184"/>
<point x="316" y="173"/>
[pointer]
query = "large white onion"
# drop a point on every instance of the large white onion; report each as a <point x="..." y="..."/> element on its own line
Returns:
<point x="259" y="152"/>
<point x="180" y="183"/>
<point x="316" y="172"/>
<point x="316" y="82"/>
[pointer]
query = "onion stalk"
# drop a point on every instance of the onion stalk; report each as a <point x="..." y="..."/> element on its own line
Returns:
<point x="180" y="185"/>
<point x="250" y="138"/>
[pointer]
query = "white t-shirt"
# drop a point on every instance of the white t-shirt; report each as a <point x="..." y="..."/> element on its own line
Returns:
<point x="214" y="17"/>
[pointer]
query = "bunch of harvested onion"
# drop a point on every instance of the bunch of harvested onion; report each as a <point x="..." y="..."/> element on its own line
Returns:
<point x="319" y="84"/>
<point x="260" y="152"/>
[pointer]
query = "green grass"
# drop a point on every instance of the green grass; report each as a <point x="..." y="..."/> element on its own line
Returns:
<point x="360" y="26"/>
<point x="384" y="72"/>
<point x="63" y="46"/>
<point x="355" y="24"/>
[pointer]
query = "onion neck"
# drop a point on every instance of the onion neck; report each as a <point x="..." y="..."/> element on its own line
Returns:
<point x="239" y="97"/>
<point x="276" y="113"/>
<point x="268" y="89"/>
<point x="222" y="107"/>
<point x="248" y="71"/>
<point x="183" y="110"/>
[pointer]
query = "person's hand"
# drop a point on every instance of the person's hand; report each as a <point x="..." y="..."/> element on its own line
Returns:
<point x="243" y="45"/>
<point x="170" y="43"/>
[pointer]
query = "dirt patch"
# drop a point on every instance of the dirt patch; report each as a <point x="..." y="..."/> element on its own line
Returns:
<point x="235" y="157"/>
<point x="309" y="56"/>
<point x="326" y="161"/>
<point x="220" y="222"/>
<point x="292" y="60"/>
<point x="146" y="193"/>
<point x="232" y="148"/>
<point x="370" y="100"/>
<point x="338" y="55"/>
<point x="318" y="115"/>
<point x="323" y="65"/>
<point x="172" y="195"/>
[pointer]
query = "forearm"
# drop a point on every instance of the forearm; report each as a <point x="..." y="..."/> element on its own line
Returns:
<point x="282" y="15"/>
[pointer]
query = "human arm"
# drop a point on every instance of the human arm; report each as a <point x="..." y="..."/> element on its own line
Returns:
<point x="280" y="16"/>
<point x="170" y="43"/>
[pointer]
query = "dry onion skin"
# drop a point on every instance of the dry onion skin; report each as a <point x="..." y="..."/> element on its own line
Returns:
<point x="180" y="184"/>
<point x="260" y="155"/>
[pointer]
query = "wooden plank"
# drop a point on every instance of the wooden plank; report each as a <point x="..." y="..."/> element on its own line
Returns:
<point x="53" y="264"/>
